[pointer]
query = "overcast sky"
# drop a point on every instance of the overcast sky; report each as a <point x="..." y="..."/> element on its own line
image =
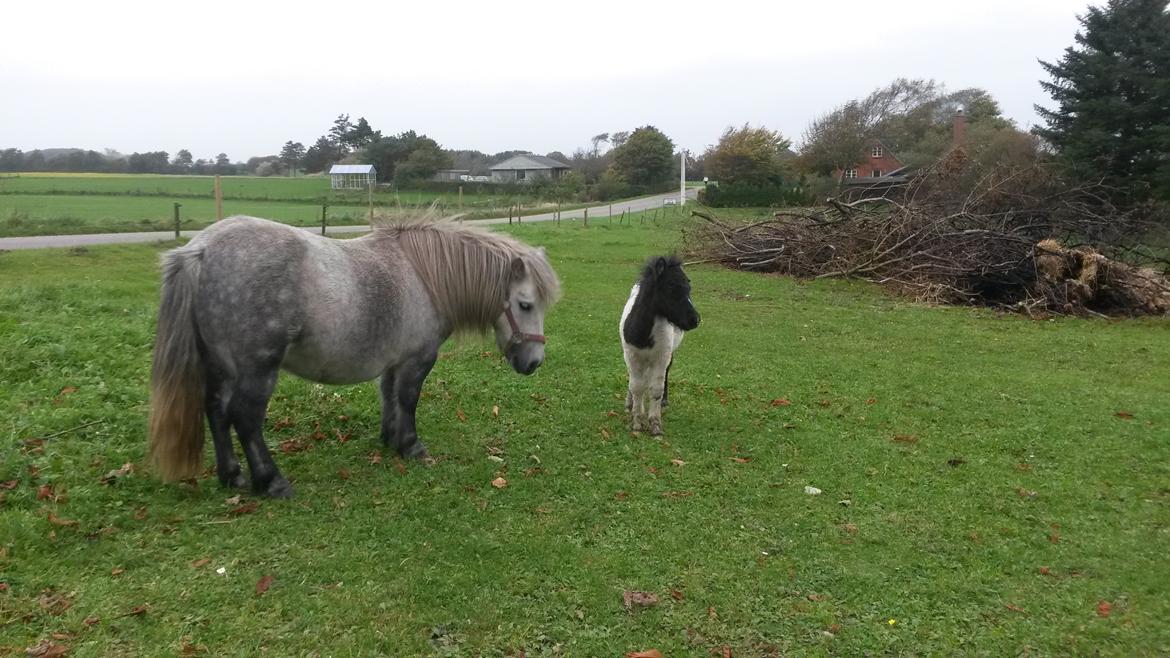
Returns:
<point x="244" y="77"/>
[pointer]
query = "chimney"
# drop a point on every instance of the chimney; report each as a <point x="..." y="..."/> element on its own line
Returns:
<point x="960" y="128"/>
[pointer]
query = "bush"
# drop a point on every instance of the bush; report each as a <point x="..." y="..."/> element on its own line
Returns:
<point x="741" y="194"/>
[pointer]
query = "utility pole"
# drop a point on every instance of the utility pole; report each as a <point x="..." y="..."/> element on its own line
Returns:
<point x="682" y="177"/>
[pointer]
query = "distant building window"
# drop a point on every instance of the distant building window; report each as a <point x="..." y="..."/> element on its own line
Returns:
<point x="850" y="173"/>
<point x="876" y="152"/>
<point x="520" y="174"/>
<point x="877" y="172"/>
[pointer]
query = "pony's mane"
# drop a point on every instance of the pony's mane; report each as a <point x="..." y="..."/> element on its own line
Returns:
<point x="649" y="273"/>
<point x="467" y="269"/>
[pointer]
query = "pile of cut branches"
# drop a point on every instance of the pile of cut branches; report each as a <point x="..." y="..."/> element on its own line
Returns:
<point x="1016" y="238"/>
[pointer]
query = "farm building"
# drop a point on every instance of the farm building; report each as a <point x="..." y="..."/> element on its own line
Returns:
<point x="449" y="175"/>
<point x="353" y="176"/>
<point x="527" y="168"/>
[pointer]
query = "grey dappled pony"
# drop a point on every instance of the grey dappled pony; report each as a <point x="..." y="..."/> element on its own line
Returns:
<point x="247" y="297"/>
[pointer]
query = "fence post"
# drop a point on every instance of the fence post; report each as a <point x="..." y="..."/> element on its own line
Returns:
<point x="177" y="206"/>
<point x="323" y="208"/>
<point x="586" y="217"/>
<point x="460" y="198"/>
<point x="218" y="199"/>
<point x="519" y="208"/>
<point x="509" y="214"/>
<point x="611" y="213"/>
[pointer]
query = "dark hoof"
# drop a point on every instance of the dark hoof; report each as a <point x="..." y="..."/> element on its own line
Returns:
<point x="415" y="450"/>
<point x="278" y="488"/>
<point x="236" y="481"/>
<point x="655" y="428"/>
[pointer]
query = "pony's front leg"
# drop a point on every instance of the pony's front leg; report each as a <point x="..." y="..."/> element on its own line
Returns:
<point x="389" y="409"/>
<point x="655" y="404"/>
<point x="409" y="380"/>
<point x="637" y="397"/>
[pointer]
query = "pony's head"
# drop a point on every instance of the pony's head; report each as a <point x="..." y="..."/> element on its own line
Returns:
<point x="669" y="291"/>
<point x="532" y="289"/>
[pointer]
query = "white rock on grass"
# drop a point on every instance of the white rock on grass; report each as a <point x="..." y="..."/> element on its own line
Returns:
<point x="812" y="491"/>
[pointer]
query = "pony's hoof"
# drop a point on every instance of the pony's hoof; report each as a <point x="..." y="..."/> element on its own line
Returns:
<point x="655" y="428"/>
<point x="416" y="451"/>
<point x="637" y="426"/>
<point x="279" y="488"/>
<point x="234" y="482"/>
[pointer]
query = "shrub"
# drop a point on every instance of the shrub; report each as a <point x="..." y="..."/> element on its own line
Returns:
<point x="741" y="194"/>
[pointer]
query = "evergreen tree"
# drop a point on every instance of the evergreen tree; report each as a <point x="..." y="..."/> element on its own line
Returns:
<point x="646" y="157"/>
<point x="291" y="156"/>
<point x="1112" y="89"/>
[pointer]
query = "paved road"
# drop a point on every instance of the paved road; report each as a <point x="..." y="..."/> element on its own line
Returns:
<point x="50" y="241"/>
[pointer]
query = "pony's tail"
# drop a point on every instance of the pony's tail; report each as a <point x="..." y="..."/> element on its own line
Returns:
<point x="177" y="378"/>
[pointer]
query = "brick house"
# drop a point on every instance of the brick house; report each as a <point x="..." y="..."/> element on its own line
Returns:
<point x="878" y="161"/>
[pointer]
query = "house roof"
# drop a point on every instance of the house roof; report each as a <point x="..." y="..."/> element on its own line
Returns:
<point x="529" y="162"/>
<point x="352" y="169"/>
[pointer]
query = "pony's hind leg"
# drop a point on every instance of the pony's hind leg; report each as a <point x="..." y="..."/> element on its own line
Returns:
<point x="666" y="382"/>
<point x="247" y="408"/>
<point x="227" y="466"/>
<point x="408" y="383"/>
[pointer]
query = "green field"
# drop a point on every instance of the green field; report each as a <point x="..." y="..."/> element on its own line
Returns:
<point x="991" y="485"/>
<point x="54" y="204"/>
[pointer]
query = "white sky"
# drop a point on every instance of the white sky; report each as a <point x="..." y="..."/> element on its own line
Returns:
<point x="244" y="77"/>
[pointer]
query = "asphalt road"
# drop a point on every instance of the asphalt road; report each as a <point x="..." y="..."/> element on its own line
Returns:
<point x="61" y="241"/>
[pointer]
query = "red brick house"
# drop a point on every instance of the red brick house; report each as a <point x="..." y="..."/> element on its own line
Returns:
<point x="878" y="161"/>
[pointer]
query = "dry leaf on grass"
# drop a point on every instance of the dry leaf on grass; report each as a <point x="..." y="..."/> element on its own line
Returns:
<point x="678" y="462"/>
<point x="906" y="438"/>
<point x="634" y="599"/>
<point x="495" y="410"/>
<point x="499" y="483"/>
<point x="56" y="520"/>
<point x="781" y="402"/>
<point x="201" y="562"/>
<point x="246" y="508"/>
<point x="1104" y="608"/>
<point x="741" y="460"/>
<point x="1124" y="415"/>
<point x="1013" y="608"/>
<point x="112" y="476"/>
<point x="648" y="653"/>
<point x="462" y="416"/>
<point x="46" y="649"/>
<point x="263" y="584"/>
<point x="117" y="571"/>
<point x="9" y="484"/>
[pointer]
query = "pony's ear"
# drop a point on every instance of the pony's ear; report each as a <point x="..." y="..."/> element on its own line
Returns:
<point x="660" y="265"/>
<point x="518" y="268"/>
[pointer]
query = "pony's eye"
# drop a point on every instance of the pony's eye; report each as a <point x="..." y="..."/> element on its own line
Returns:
<point x="525" y="306"/>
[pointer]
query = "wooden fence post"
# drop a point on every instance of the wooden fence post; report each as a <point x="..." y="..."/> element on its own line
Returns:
<point x="324" y="206"/>
<point x="586" y="217"/>
<point x="177" y="206"/>
<point x="460" y="198"/>
<point x="218" y="199"/>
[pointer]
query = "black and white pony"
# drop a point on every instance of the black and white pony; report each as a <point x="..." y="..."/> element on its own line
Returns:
<point x="657" y="313"/>
<point x="249" y="297"/>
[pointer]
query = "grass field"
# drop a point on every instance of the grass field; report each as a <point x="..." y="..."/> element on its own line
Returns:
<point x="54" y="204"/>
<point x="991" y="485"/>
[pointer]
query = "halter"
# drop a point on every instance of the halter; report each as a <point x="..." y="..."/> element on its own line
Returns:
<point x="518" y="336"/>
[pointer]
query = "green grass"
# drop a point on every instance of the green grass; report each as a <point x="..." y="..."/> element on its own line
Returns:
<point x="941" y="534"/>
<point x="58" y="204"/>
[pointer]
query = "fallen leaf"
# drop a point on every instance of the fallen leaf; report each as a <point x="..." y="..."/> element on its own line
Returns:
<point x="534" y="470"/>
<point x="1124" y="415"/>
<point x="1045" y="571"/>
<point x="112" y="476"/>
<point x="871" y="401"/>
<point x="1023" y="467"/>
<point x="711" y="614"/>
<point x="815" y="597"/>
<point x="632" y="599"/>
<point x="9" y="484"/>
<point x="400" y="467"/>
<point x="91" y="621"/>
<point x="824" y="403"/>
<point x="676" y="595"/>
<point x="906" y="438"/>
<point x="3" y="587"/>
<point x="850" y="528"/>
<point x="741" y="460"/>
<point x="141" y="513"/>
<point x="725" y="651"/>
<point x="55" y="520"/>
<point x="781" y="402"/>
<point x="33" y="446"/>
<point x="201" y="562"/>
<point x="343" y="473"/>
<point x="263" y="584"/>
<point x="375" y="457"/>
<point x="677" y="494"/>
<point x="68" y="390"/>
<point x="648" y="653"/>
<point x="246" y="508"/>
<point x="342" y="437"/>
<point x="136" y="611"/>
<point x="54" y="603"/>
<point x="678" y="462"/>
<point x="1013" y="608"/>
<point x="462" y="416"/>
<point x="496" y="410"/>
<point x="46" y="649"/>
<point x="605" y="434"/>
<point x="233" y="501"/>
<point x="44" y="491"/>
<point x="1025" y="493"/>
<point x="621" y="495"/>
<point x="1054" y="537"/>
<point x="1104" y="608"/>
<point x="499" y="483"/>
<point x="117" y="571"/>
